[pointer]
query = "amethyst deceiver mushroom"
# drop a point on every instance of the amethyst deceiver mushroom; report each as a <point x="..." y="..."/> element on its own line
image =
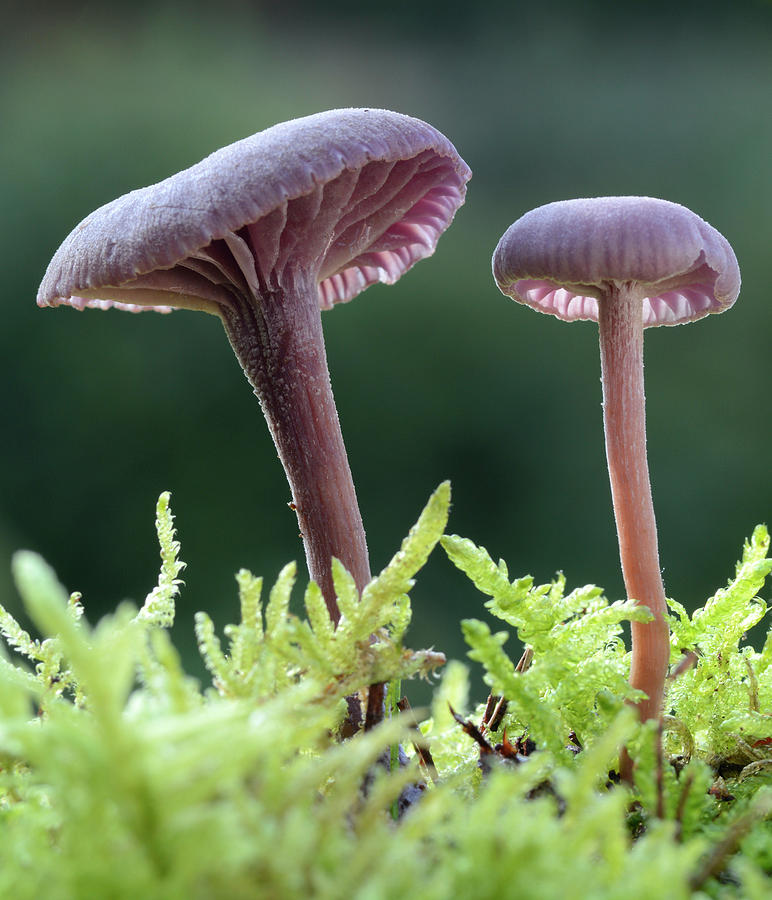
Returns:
<point x="264" y="234"/>
<point x="627" y="263"/>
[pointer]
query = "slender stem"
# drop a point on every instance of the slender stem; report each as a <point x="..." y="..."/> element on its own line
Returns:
<point x="624" y="419"/>
<point x="279" y="342"/>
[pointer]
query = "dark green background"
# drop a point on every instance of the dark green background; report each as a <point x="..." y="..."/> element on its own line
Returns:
<point x="436" y="377"/>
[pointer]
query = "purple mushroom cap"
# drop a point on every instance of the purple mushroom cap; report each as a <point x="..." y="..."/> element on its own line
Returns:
<point x="357" y="195"/>
<point x="264" y="234"/>
<point x="558" y="258"/>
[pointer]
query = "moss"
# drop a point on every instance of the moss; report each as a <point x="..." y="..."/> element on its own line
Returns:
<point x="121" y="776"/>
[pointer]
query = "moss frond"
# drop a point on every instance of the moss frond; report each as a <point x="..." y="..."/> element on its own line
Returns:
<point x="727" y="694"/>
<point x="158" y="608"/>
<point x="575" y="641"/>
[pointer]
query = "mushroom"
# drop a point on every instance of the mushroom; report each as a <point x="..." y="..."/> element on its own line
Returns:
<point x="628" y="263"/>
<point x="265" y="233"/>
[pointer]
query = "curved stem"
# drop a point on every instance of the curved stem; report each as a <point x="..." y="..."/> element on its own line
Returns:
<point x="624" y="420"/>
<point x="279" y="342"/>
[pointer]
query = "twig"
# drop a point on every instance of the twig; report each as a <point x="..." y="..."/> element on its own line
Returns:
<point x="375" y="698"/>
<point x="495" y="709"/>
<point x="473" y="731"/>
<point x="686" y="662"/>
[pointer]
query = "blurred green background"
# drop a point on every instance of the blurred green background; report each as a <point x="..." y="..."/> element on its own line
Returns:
<point x="436" y="377"/>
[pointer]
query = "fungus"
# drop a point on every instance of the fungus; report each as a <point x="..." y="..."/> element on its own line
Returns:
<point x="265" y="233"/>
<point x="628" y="263"/>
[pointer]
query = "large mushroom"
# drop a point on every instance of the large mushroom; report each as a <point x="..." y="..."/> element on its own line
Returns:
<point x="627" y="263"/>
<point x="265" y="233"/>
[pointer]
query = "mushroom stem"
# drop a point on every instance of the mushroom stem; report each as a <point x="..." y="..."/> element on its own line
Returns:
<point x="624" y="418"/>
<point x="278" y="339"/>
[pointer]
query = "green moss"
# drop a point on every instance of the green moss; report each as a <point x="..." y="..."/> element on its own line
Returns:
<point x="121" y="776"/>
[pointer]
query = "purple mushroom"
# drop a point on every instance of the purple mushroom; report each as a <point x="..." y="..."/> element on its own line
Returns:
<point x="627" y="263"/>
<point x="264" y="234"/>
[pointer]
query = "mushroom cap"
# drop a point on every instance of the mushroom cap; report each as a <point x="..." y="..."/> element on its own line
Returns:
<point x="561" y="259"/>
<point x="353" y="196"/>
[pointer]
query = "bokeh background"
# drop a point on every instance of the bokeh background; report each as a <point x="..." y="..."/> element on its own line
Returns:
<point x="436" y="377"/>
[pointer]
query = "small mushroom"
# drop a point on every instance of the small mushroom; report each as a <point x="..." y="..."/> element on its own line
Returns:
<point x="265" y="233"/>
<point x="628" y="263"/>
